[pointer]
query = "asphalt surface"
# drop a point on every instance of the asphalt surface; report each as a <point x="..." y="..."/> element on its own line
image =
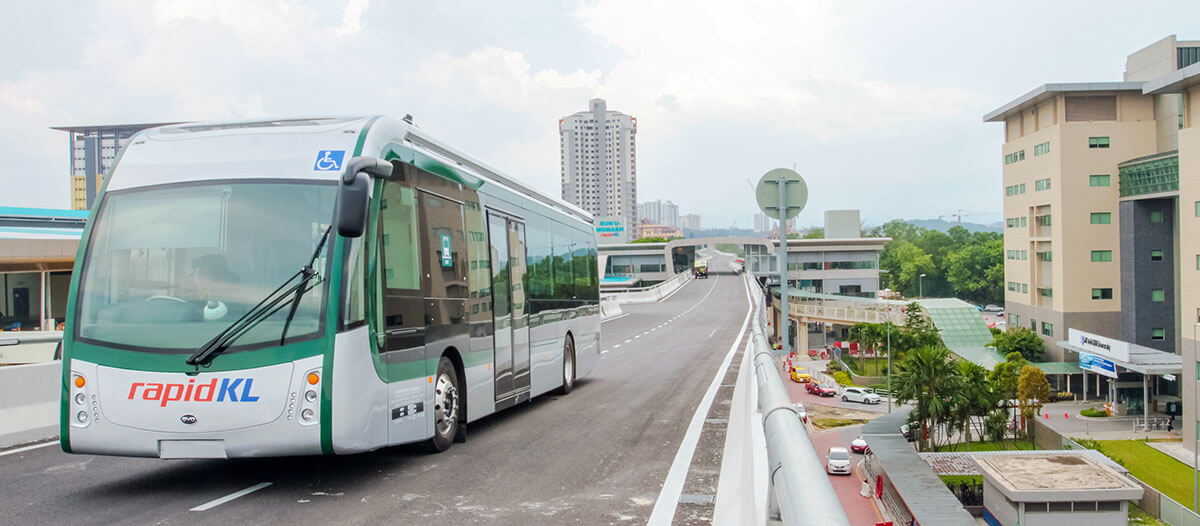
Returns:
<point x="600" y="455"/>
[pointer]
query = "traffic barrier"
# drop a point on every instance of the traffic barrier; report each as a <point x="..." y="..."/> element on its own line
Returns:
<point x="610" y="309"/>
<point x="648" y="294"/>
<point x="29" y="402"/>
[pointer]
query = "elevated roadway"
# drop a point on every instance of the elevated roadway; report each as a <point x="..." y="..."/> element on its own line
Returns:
<point x="600" y="455"/>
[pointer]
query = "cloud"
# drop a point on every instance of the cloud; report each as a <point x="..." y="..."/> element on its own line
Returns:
<point x="352" y="15"/>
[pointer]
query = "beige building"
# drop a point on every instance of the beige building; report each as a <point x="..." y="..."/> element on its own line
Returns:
<point x="1184" y="83"/>
<point x="1102" y="233"/>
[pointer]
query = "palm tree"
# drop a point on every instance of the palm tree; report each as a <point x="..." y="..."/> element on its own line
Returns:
<point x="927" y="377"/>
<point x="975" y="397"/>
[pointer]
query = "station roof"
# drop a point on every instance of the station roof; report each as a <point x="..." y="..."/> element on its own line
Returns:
<point x="41" y="223"/>
<point x="131" y="126"/>
<point x="1142" y="359"/>
<point x="1048" y="91"/>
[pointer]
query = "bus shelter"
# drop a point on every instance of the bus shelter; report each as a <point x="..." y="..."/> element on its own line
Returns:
<point x="1111" y="358"/>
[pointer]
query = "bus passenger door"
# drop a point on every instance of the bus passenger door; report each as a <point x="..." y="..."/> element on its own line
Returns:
<point x="402" y="308"/>
<point x="501" y="304"/>
<point x="520" y="311"/>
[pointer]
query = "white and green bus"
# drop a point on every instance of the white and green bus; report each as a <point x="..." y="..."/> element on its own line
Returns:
<point x="316" y="286"/>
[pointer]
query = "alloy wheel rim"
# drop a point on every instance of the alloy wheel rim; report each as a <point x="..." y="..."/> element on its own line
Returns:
<point x="446" y="405"/>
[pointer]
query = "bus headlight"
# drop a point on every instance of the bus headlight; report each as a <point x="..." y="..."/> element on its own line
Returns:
<point x="80" y="398"/>
<point x="81" y="417"/>
<point x="310" y="395"/>
<point x="306" y="415"/>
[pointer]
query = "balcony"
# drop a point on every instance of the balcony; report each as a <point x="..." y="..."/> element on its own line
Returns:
<point x="1153" y="174"/>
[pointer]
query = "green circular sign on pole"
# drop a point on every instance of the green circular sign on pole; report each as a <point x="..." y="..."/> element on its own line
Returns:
<point x="795" y="193"/>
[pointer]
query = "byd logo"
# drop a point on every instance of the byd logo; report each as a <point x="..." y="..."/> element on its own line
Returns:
<point x="193" y="392"/>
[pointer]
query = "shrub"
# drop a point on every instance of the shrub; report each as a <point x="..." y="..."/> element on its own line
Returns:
<point x="843" y="378"/>
<point x="834" y="366"/>
<point x="1094" y="412"/>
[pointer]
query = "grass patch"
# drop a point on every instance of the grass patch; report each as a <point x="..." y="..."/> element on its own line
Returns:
<point x="1137" y="516"/>
<point x="1167" y="475"/>
<point x="829" y="423"/>
<point x="868" y="367"/>
<point x="1007" y="445"/>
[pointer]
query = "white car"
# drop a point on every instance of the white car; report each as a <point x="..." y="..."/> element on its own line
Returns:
<point x="799" y="407"/>
<point x="858" y="394"/>
<point x="837" y="461"/>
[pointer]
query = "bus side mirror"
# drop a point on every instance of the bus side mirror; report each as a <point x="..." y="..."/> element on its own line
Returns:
<point x="352" y="193"/>
<point x="352" y="206"/>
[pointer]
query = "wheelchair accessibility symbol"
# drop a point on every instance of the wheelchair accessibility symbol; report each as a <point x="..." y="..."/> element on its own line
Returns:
<point x="329" y="160"/>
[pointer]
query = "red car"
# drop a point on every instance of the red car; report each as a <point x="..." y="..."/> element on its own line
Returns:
<point x="821" y="390"/>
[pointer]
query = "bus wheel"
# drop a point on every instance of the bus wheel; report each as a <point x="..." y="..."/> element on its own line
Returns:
<point x="568" y="366"/>
<point x="446" y="404"/>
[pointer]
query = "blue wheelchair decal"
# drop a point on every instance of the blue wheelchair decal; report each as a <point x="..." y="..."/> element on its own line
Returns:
<point x="329" y="160"/>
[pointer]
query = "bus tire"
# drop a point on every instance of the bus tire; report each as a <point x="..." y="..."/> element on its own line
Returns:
<point x="447" y="403"/>
<point x="568" y="366"/>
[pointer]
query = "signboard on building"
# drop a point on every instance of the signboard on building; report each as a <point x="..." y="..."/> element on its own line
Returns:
<point x="1097" y="365"/>
<point x="611" y="230"/>
<point x="1099" y="345"/>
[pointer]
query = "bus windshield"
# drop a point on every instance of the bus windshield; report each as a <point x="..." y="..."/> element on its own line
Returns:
<point x="168" y="268"/>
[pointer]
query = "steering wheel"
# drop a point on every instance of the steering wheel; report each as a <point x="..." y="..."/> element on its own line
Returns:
<point x="165" y="297"/>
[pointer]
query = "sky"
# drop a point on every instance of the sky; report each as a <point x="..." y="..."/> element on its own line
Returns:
<point x="878" y="104"/>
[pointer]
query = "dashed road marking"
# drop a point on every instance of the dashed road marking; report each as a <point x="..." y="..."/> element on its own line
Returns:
<point x="237" y="494"/>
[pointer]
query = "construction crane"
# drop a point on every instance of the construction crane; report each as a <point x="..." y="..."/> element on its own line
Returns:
<point x="959" y="215"/>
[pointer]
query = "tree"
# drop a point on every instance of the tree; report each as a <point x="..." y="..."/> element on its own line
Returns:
<point x="652" y="239"/>
<point x="815" y="233"/>
<point x="926" y="376"/>
<point x="996" y="425"/>
<point x="1004" y="376"/>
<point x="917" y="330"/>
<point x="972" y="272"/>
<point x="975" y="398"/>
<point x="1019" y="340"/>
<point x="1033" y="391"/>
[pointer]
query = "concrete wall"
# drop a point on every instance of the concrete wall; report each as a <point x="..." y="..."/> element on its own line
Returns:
<point x="29" y="403"/>
<point x="1189" y="259"/>
<point x="1001" y="508"/>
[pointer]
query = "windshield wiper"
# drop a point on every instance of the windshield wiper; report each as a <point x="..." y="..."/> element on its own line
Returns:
<point x="269" y="305"/>
<point x="308" y="272"/>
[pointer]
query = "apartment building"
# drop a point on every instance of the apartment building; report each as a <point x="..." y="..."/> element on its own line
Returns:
<point x="94" y="149"/>
<point x="598" y="148"/>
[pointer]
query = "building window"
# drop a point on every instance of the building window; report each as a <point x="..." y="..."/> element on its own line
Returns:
<point x="1102" y="256"/>
<point x="1102" y="294"/>
<point x="1022" y="184"/>
<point x="1044" y="220"/>
<point x="1046" y="292"/>
<point x="1097" y="142"/>
<point x="1044" y="256"/>
<point x="1156" y="216"/>
<point x="1048" y="329"/>
<point x="1158" y="295"/>
<point x="1033" y="325"/>
<point x="1101" y="218"/>
<point x="1041" y="184"/>
<point x="1156" y="254"/>
<point x="1041" y="149"/>
<point x="1103" y="180"/>
<point x="1025" y="288"/>
<point x="1158" y="333"/>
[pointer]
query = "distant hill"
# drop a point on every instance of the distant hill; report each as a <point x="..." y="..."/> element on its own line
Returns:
<point x="942" y="225"/>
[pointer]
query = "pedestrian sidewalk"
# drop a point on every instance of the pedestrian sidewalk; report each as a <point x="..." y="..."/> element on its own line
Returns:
<point x="1064" y="418"/>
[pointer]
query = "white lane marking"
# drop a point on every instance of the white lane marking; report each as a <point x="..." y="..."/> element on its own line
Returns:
<point x="638" y="336"/>
<point x="668" y="498"/>
<point x="28" y="448"/>
<point x="645" y="333"/>
<point x="714" y="331"/>
<point x="604" y="351"/>
<point x="615" y="318"/>
<point x="627" y="341"/>
<point x="616" y="346"/>
<point x="214" y="503"/>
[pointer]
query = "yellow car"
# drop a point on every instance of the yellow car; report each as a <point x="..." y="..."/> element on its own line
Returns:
<point x="800" y="374"/>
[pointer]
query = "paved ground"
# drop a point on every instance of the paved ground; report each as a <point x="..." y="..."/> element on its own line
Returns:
<point x="1064" y="418"/>
<point x="597" y="456"/>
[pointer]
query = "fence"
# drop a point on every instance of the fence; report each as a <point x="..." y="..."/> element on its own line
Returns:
<point x="648" y="294"/>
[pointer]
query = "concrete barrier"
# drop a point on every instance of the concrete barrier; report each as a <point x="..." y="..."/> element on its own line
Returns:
<point x="649" y="294"/>
<point x="23" y="347"/>
<point x="29" y="402"/>
<point x="610" y="309"/>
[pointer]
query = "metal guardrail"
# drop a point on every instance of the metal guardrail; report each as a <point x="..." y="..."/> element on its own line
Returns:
<point x="801" y="488"/>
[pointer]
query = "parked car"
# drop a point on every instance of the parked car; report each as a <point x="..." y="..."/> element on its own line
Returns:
<point x="908" y="433"/>
<point x="859" y="445"/>
<point x="800" y="374"/>
<point x="799" y="407"/>
<point x="837" y="461"/>
<point x="859" y="394"/>
<point x="820" y="390"/>
<point x="993" y="308"/>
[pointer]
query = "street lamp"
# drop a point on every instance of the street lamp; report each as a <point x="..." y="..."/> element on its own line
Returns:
<point x="921" y="286"/>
